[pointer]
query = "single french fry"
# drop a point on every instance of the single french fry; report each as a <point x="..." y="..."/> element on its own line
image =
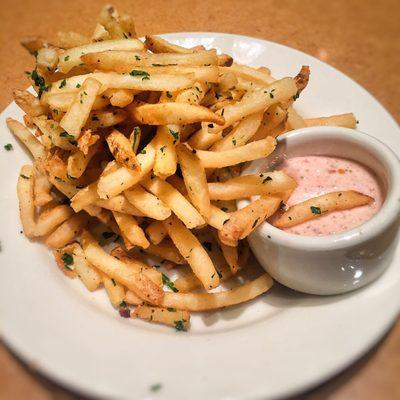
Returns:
<point x="61" y="102"/>
<point x="174" y="200"/>
<point x="273" y="117"/>
<point x="123" y="178"/>
<point x="193" y="252"/>
<point x="78" y="161"/>
<point x="167" y="316"/>
<point x="105" y="118"/>
<point x="100" y="33"/>
<point x="156" y="232"/>
<point x="256" y="101"/>
<point x="67" y="231"/>
<point x="25" y="192"/>
<point x="29" y="103"/>
<point x="294" y="120"/>
<point x="33" y="43"/>
<point x="167" y="251"/>
<point x="118" y="26"/>
<point x="251" y="151"/>
<point x="259" y="77"/>
<point x="75" y="56"/>
<point x="121" y="204"/>
<point x="242" y="222"/>
<point x="137" y="265"/>
<point x="25" y="136"/>
<point x="318" y="206"/>
<point x="138" y="80"/>
<point x="41" y="188"/>
<point x="157" y="44"/>
<point x="165" y="141"/>
<point x="230" y="254"/>
<point x="121" y="149"/>
<point x="84" y="197"/>
<point x="78" y="113"/>
<point x="344" y="120"/>
<point x="140" y="284"/>
<point x="241" y="134"/>
<point x="212" y="301"/>
<point x="174" y="113"/>
<point x="121" y="97"/>
<point x="192" y="95"/>
<point x="115" y="291"/>
<point x="267" y="183"/>
<point x="89" y="276"/>
<point x="131" y="232"/>
<point x="148" y="204"/>
<point x="50" y="219"/>
<point x="195" y="180"/>
<point x="134" y="138"/>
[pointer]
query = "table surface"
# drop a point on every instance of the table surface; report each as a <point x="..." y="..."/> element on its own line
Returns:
<point x="359" y="37"/>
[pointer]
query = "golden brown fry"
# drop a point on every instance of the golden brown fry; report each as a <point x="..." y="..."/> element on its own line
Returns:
<point x="156" y="232"/>
<point x="25" y="136"/>
<point x="29" y="103"/>
<point x="78" y="113"/>
<point x="121" y="204"/>
<point x="212" y="301"/>
<point x="318" y="206"/>
<point x="25" y="191"/>
<point x="86" y="140"/>
<point x="147" y="203"/>
<point x="167" y="251"/>
<point x="267" y="183"/>
<point x="344" y="120"/>
<point x="42" y="188"/>
<point x="67" y="231"/>
<point x="51" y="218"/>
<point x="195" y="180"/>
<point x="242" y="222"/>
<point x="84" y="197"/>
<point x="115" y="291"/>
<point x="174" y="200"/>
<point x="165" y="140"/>
<point x="167" y="316"/>
<point x="121" y="149"/>
<point x="174" y="113"/>
<point x="67" y="40"/>
<point x="131" y="232"/>
<point x="78" y="161"/>
<point x="121" y="97"/>
<point x="273" y="117"/>
<point x="193" y="252"/>
<point x="140" y="284"/>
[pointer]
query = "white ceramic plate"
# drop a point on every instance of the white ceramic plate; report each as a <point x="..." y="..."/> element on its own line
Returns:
<point x="278" y="345"/>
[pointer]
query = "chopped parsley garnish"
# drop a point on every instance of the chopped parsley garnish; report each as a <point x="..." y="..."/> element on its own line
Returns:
<point x="224" y="209"/>
<point x="210" y="125"/>
<point x="123" y="304"/>
<point x="162" y="149"/>
<point x="255" y="223"/>
<point x="179" y="324"/>
<point x="24" y="176"/>
<point x="78" y="85"/>
<point x="268" y="178"/>
<point x="171" y="309"/>
<point x="167" y="282"/>
<point x="297" y="95"/>
<point x="234" y="141"/>
<point x="68" y="260"/>
<point x="66" y="135"/>
<point x="136" y="133"/>
<point x="107" y="235"/>
<point x="156" y="387"/>
<point x="39" y="82"/>
<point x="315" y="210"/>
<point x="95" y="118"/>
<point x="143" y="74"/>
<point x="207" y="245"/>
<point x="113" y="282"/>
<point x="63" y="83"/>
<point x="222" y="112"/>
<point x="66" y="58"/>
<point x="143" y="151"/>
<point x="169" y="95"/>
<point x="137" y="58"/>
<point x="8" y="146"/>
<point x="174" y="134"/>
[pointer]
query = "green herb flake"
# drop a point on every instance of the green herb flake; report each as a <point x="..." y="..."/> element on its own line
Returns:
<point x="224" y="209"/>
<point x="171" y="309"/>
<point x="169" y="95"/>
<point x="8" y="146"/>
<point x="143" y="151"/>
<point x="136" y="72"/>
<point x="66" y="135"/>
<point x="297" y="95"/>
<point x="63" y="83"/>
<point x="113" y="282"/>
<point x="174" y="134"/>
<point x="123" y="304"/>
<point x="179" y="324"/>
<point x="24" y="176"/>
<point x="268" y="178"/>
<point x="315" y="210"/>
<point x="39" y="81"/>
<point x="255" y="223"/>
<point x="167" y="282"/>
<point x="234" y="141"/>
<point x="78" y="85"/>
<point x="156" y="387"/>
<point x="66" y="58"/>
<point x="68" y="260"/>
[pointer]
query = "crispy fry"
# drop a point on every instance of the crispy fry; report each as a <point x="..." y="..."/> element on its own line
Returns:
<point x="49" y="220"/>
<point x="131" y="232"/>
<point x="121" y="149"/>
<point x="115" y="291"/>
<point x="165" y="141"/>
<point x="242" y="222"/>
<point x="41" y="188"/>
<point x="167" y="316"/>
<point x="344" y="120"/>
<point x="156" y="232"/>
<point x="121" y="204"/>
<point x="193" y="252"/>
<point x="318" y="206"/>
<point x="28" y="103"/>
<point x="25" y="191"/>
<point x="174" y="113"/>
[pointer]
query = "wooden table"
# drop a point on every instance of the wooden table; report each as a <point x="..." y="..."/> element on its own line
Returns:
<point x="359" y="37"/>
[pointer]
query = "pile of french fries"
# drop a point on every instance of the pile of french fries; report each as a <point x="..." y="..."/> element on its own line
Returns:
<point x="138" y="146"/>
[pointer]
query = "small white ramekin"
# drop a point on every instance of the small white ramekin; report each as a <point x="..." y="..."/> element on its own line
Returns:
<point x="339" y="263"/>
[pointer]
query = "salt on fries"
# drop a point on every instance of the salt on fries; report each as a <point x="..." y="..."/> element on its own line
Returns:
<point x="142" y="143"/>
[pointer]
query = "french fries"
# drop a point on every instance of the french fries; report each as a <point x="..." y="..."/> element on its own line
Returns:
<point x="193" y="252"/>
<point x="318" y="206"/>
<point x="143" y="144"/>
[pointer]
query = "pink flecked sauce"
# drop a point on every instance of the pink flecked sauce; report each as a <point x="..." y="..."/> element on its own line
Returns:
<point x="317" y="175"/>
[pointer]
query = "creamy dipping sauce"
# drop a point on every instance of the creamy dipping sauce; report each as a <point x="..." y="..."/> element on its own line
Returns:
<point x="317" y="175"/>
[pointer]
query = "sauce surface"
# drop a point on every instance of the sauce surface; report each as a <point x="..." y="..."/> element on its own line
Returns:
<point x="317" y="175"/>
